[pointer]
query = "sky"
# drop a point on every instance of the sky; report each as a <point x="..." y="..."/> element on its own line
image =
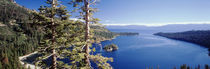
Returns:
<point x="145" y="12"/>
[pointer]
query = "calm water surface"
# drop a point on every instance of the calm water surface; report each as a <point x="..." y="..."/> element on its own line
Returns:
<point x="147" y="50"/>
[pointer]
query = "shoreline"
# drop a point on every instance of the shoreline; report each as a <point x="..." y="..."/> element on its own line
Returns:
<point x="109" y="39"/>
<point x="32" y="66"/>
<point x="27" y="65"/>
<point x="185" y="40"/>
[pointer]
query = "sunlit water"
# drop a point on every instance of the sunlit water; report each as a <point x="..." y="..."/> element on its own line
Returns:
<point x="147" y="50"/>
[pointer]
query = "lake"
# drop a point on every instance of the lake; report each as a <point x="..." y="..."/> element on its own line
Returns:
<point x="147" y="50"/>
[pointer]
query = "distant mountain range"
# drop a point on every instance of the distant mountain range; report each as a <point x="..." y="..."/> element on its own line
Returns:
<point x="164" y="28"/>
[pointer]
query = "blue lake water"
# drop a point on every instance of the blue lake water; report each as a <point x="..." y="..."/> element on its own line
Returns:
<point x="147" y="50"/>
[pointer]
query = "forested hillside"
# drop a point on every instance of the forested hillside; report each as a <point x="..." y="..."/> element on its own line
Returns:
<point x="12" y="12"/>
<point x="101" y="33"/>
<point x="17" y="36"/>
<point x="20" y="36"/>
<point x="200" y="37"/>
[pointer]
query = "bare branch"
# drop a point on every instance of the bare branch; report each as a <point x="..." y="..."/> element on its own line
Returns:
<point x="46" y="48"/>
<point x="91" y="3"/>
<point x="83" y="46"/>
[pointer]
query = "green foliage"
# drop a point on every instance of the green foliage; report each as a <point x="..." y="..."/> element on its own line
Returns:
<point x="54" y="22"/>
<point x="101" y="61"/>
<point x="0" y="65"/>
<point x="198" y="37"/>
<point x="10" y="11"/>
<point x="101" y="33"/>
<point x="68" y="34"/>
<point x="111" y="47"/>
<point x="17" y="35"/>
<point x="26" y="31"/>
<point x="86" y="13"/>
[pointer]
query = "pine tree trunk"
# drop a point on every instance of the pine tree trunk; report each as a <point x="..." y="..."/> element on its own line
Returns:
<point x="54" y="60"/>
<point x="87" y="32"/>
<point x="53" y="38"/>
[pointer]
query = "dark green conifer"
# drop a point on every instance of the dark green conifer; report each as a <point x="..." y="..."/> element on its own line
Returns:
<point x="86" y="13"/>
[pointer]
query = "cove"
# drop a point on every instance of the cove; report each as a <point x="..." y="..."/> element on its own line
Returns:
<point x="147" y="50"/>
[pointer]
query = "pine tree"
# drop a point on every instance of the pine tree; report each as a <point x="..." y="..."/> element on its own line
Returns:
<point x="86" y="12"/>
<point x="60" y="34"/>
<point x="87" y="31"/>
<point x="51" y="21"/>
<point x="54" y="57"/>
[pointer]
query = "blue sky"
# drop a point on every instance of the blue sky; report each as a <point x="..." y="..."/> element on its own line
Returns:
<point x="145" y="11"/>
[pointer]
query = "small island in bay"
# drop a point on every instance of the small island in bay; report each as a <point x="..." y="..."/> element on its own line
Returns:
<point x="111" y="47"/>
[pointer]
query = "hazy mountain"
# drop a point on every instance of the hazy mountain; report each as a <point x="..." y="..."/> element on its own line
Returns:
<point x="164" y="28"/>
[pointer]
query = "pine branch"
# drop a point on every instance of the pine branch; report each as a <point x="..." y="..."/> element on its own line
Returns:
<point x="91" y="3"/>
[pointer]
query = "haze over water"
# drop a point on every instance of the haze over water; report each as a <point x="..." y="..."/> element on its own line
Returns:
<point x="147" y="50"/>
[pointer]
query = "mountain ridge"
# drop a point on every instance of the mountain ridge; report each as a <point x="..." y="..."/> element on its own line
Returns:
<point x="165" y="28"/>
